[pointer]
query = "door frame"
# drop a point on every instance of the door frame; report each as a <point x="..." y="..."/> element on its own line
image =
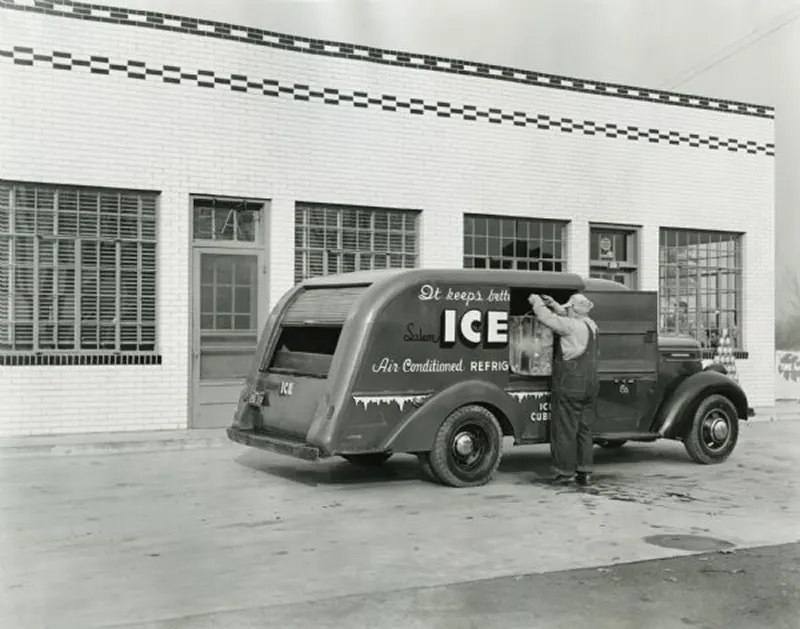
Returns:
<point x="259" y="248"/>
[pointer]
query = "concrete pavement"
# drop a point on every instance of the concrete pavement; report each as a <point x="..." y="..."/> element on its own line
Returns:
<point x="750" y="588"/>
<point x="95" y="541"/>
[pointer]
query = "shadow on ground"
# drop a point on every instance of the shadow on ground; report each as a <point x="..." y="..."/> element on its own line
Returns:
<point x="527" y="463"/>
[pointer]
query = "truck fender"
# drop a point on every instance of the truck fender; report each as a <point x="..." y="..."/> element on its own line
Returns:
<point x="716" y="367"/>
<point x="676" y="410"/>
<point x="417" y="431"/>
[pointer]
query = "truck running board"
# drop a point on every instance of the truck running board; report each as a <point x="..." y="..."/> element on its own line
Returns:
<point x="626" y="436"/>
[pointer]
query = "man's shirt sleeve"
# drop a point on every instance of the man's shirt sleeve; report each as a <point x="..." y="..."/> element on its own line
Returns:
<point x="563" y="326"/>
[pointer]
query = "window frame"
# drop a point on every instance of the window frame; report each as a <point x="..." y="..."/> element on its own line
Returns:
<point x="632" y="263"/>
<point x="259" y="224"/>
<point x="728" y="246"/>
<point x="337" y="227"/>
<point x="559" y="226"/>
<point x="81" y="249"/>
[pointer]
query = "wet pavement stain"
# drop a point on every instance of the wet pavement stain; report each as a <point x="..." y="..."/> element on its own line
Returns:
<point x="498" y="497"/>
<point x="251" y="525"/>
<point x="681" y="496"/>
<point x="692" y="543"/>
<point x="612" y="487"/>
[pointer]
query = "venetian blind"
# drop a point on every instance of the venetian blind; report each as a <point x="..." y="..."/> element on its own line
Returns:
<point x="77" y="269"/>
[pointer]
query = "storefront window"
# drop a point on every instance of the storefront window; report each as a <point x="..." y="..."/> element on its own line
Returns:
<point x="331" y="239"/>
<point x="494" y="242"/>
<point x="77" y="269"/>
<point x="700" y="285"/>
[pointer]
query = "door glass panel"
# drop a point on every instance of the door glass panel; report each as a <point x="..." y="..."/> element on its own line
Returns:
<point x="228" y="315"/>
<point x="226" y="220"/>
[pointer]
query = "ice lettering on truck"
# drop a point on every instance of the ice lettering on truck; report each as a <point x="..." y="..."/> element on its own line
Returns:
<point x="475" y="327"/>
<point x="540" y="404"/>
<point x="429" y="292"/>
<point x="429" y="365"/>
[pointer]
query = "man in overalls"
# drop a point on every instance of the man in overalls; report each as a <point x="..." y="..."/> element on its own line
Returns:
<point x="575" y="384"/>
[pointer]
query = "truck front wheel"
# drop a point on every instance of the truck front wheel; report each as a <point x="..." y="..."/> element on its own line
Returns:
<point x="467" y="448"/>
<point x="713" y="432"/>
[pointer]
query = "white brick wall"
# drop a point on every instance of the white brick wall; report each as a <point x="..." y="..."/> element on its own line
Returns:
<point x="88" y="129"/>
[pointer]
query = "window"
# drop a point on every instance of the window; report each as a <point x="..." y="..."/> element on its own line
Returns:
<point x="332" y="239"/>
<point x="77" y="269"/>
<point x="226" y="220"/>
<point x="700" y="285"/>
<point x="613" y="254"/>
<point x="493" y="242"/>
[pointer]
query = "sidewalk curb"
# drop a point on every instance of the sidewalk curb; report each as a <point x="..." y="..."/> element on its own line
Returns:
<point x="115" y="443"/>
<point x="97" y="444"/>
<point x="780" y="412"/>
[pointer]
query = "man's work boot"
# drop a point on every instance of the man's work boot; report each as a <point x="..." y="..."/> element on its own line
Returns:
<point x="583" y="478"/>
<point x="560" y="479"/>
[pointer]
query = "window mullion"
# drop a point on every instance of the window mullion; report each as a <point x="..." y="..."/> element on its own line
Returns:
<point x="340" y="238"/>
<point x="12" y="270"/>
<point x="117" y="295"/>
<point x="37" y="287"/>
<point x="139" y="273"/>
<point x="78" y="292"/>
<point x="56" y="310"/>
<point x="372" y="250"/>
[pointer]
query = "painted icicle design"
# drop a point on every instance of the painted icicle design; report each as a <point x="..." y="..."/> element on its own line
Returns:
<point x="521" y="396"/>
<point x="400" y="400"/>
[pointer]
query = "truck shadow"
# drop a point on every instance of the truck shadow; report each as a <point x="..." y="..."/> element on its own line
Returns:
<point x="335" y="471"/>
<point x="525" y="462"/>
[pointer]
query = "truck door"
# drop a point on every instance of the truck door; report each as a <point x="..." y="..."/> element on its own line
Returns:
<point x="628" y="369"/>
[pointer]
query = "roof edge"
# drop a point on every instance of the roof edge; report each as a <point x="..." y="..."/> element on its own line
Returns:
<point x="357" y="52"/>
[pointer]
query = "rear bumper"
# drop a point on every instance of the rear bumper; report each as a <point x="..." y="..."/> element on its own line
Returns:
<point x="279" y="445"/>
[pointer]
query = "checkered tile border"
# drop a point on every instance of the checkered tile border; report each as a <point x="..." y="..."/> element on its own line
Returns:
<point x="220" y="30"/>
<point x="75" y="360"/>
<point x="58" y="60"/>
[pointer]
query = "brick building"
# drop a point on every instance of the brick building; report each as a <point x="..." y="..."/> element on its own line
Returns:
<point x="164" y="179"/>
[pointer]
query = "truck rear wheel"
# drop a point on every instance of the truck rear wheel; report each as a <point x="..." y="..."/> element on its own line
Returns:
<point x="714" y="431"/>
<point x="467" y="448"/>
<point x="370" y="459"/>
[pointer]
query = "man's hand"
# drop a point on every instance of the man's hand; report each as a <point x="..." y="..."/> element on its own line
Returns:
<point x="554" y="306"/>
<point x="535" y="300"/>
<point x="550" y="302"/>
